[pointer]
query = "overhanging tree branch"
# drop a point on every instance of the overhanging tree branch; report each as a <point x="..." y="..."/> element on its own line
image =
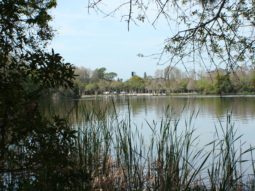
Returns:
<point x="220" y="29"/>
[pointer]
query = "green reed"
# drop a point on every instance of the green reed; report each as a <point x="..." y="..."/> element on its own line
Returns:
<point x="114" y="154"/>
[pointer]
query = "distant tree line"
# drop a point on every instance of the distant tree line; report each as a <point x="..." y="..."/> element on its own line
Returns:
<point x="168" y="80"/>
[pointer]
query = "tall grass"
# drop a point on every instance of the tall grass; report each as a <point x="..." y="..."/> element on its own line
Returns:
<point x="114" y="154"/>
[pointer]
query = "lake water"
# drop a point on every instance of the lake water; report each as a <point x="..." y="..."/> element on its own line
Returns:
<point x="208" y="112"/>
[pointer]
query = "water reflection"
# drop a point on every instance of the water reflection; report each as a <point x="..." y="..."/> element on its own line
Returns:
<point x="242" y="108"/>
<point x="211" y="112"/>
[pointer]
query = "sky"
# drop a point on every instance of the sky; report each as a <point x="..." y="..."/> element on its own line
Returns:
<point x="92" y="40"/>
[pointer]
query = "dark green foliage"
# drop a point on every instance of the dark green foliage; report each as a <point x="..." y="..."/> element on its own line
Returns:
<point x="35" y="153"/>
<point x="110" y="76"/>
<point x="38" y="155"/>
<point x="223" y="84"/>
<point x="101" y="74"/>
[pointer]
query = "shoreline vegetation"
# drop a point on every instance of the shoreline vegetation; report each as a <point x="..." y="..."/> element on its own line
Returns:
<point x="116" y="155"/>
<point x="167" y="81"/>
<point x="172" y="95"/>
<point x="109" y="152"/>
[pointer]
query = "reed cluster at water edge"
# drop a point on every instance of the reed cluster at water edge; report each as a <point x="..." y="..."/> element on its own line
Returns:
<point x="116" y="155"/>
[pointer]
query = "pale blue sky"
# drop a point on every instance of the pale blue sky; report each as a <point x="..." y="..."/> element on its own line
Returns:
<point x="93" y="41"/>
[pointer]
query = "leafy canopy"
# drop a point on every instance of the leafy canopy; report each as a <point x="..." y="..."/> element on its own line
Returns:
<point x="34" y="151"/>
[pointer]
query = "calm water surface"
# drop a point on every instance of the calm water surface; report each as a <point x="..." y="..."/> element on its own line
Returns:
<point x="207" y="113"/>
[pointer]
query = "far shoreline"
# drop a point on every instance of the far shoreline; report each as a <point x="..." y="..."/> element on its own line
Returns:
<point x="177" y="95"/>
